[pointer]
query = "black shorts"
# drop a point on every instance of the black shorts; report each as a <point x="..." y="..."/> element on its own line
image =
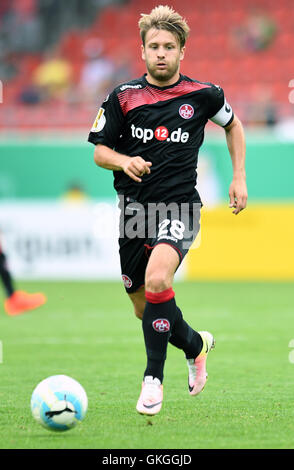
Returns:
<point x="144" y="227"/>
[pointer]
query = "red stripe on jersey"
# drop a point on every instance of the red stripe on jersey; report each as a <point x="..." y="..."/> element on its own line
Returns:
<point x="132" y="98"/>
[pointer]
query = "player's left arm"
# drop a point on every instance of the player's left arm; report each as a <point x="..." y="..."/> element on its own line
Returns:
<point x="237" y="148"/>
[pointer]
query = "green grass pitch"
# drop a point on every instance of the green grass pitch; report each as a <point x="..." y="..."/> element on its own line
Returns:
<point x="88" y="331"/>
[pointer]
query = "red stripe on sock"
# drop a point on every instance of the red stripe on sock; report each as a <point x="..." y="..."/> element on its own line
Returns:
<point x="159" y="297"/>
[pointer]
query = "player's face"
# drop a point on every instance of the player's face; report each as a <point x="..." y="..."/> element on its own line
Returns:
<point x="162" y="54"/>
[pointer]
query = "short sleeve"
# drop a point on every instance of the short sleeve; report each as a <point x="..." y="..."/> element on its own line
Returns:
<point x="108" y="124"/>
<point x="219" y="110"/>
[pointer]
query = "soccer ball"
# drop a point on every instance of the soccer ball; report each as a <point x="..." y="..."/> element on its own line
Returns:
<point x="59" y="403"/>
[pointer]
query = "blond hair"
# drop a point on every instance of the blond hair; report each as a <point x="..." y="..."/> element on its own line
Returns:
<point x="164" y="17"/>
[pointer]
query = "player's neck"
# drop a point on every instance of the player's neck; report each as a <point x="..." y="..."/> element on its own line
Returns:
<point x="160" y="83"/>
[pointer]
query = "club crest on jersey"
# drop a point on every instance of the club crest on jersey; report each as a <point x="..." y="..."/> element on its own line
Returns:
<point x="161" y="325"/>
<point x="127" y="281"/>
<point x="186" y="111"/>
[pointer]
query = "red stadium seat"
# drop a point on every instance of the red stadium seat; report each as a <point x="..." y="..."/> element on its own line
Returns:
<point x="211" y="55"/>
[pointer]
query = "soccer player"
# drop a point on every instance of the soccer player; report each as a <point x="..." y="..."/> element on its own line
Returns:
<point x="17" y="301"/>
<point x="148" y="132"/>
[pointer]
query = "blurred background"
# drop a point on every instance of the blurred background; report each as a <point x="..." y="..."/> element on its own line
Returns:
<point x="58" y="61"/>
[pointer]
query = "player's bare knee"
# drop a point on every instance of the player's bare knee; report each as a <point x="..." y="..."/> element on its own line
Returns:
<point x="156" y="281"/>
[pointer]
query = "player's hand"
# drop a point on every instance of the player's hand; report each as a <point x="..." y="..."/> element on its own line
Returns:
<point x="238" y="194"/>
<point x="135" y="167"/>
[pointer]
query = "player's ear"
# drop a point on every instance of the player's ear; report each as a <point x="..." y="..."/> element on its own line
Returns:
<point x="182" y="54"/>
<point x="143" y="51"/>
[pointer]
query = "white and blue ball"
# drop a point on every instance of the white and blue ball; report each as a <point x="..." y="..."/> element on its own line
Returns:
<point x="59" y="403"/>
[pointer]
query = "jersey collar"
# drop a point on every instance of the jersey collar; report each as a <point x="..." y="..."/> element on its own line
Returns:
<point x="161" y="87"/>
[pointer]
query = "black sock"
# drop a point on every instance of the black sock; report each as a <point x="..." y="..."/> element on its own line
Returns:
<point x="185" y="338"/>
<point x="5" y="276"/>
<point x="159" y="317"/>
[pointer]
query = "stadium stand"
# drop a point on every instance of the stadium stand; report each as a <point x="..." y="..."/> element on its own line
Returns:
<point x="245" y="46"/>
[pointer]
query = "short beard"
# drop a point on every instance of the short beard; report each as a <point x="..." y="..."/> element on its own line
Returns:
<point x="164" y="75"/>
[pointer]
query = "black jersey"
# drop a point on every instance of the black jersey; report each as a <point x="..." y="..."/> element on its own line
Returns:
<point x="164" y="125"/>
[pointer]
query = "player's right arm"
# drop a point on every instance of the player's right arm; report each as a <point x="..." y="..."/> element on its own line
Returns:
<point x="105" y="134"/>
<point x="134" y="167"/>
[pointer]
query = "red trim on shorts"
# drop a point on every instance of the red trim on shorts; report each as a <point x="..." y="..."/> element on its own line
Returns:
<point x="148" y="247"/>
<point x="160" y="297"/>
<point x="148" y="250"/>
